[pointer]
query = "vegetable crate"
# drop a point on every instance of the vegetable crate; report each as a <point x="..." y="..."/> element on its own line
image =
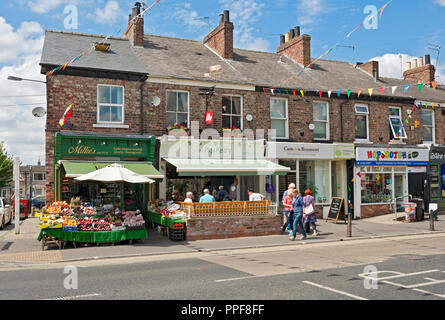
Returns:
<point x="177" y="234"/>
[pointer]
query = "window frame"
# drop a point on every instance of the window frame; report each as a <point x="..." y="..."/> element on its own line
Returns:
<point x="433" y="125"/>
<point x="39" y="173"/>
<point x="99" y="104"/>
<point x="328" y="127"/>
<point x="231" y="114"/>
<point x="176" y="112"/>
<point x="286" y="120"/>
<point x="399" y="117"/>
<point x="367" y="121"/>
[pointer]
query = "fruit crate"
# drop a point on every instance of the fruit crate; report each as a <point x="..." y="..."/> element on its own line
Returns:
<point x="178" y="226"/>
<point x="176" y="234"/>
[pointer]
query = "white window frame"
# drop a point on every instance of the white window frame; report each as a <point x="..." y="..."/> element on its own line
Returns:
<point x="433" y="126"/>
<point x="110" y="104"/>
<point x="361" y="113"/>
<point x="328" y="127"/>
<point x="176" y="112"/>
<point x="400" y="138"/>
<point x="282" y="119"/>
<point x="231" y="114"/>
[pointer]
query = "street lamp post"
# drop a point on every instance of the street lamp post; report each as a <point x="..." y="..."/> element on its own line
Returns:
<point x="13" y="78"/>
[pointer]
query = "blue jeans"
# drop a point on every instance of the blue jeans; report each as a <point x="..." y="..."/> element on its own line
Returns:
<point x="289" y="220"/>
<point x="298" y="222"/>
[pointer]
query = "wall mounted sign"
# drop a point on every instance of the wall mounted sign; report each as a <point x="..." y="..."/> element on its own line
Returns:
<point x="392" y="157"/>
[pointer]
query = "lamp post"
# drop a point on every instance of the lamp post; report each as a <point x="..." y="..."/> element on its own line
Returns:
<point x="13" y="78"/>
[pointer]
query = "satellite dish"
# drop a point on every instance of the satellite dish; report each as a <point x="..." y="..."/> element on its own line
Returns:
<point x="154" y="101"/>
<point x="38" y="112"/>
<point x="311" y="127"/>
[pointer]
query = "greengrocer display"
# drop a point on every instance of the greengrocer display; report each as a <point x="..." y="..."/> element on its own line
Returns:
<point x="168" y="218"/>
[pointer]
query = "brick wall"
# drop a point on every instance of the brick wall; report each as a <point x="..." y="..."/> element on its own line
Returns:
<point x="368" y="211"/>
<point x="232" y="227"/>
<point x="221" y="40"/>
<point x="424" y="74"/>
<point x="298" y="49"/>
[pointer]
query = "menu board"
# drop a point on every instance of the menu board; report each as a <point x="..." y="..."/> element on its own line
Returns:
<point x="336" y="210"/>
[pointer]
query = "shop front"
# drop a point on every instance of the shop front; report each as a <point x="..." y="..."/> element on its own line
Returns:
<point x="381" y="178"/>
<point x="321" y="168"/>
<point x="436" y="175"/>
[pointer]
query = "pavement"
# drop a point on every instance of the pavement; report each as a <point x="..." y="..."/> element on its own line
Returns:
<point x="24" y="247"/>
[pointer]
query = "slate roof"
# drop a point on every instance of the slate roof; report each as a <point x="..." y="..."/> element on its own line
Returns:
<point x="60" y="47"/>
<point x="169" y="57"/>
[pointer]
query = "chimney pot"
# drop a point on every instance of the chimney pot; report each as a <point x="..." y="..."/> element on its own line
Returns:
<point x="421" y="62"/>
<point x="297" y="31"/>
<point x="282" y="39"/>
<point x="292" y="33"/>
<point x="287" y="37"/>
<point x="221" y="18"/>
<point x="408" y="65"/>
<point x="415" y="63"/>
<point x="226" y="16"/>
<point x="427" y="59"/>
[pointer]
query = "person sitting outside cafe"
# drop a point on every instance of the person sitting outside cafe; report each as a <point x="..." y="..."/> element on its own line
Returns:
<point x="189" y="197"/>
<point x="253" y="196"/>
<point x="206" y="198"/>
<point x="222" y="194"/>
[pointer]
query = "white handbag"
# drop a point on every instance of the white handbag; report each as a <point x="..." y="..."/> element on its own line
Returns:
<point x="308" y="210"/>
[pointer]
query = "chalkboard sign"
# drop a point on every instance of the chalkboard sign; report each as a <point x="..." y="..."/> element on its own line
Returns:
<point x="336" y="210"/>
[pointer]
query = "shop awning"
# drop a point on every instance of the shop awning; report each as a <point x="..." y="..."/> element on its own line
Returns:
<point x="74" y="169"/>
<point x="229" y="167"/>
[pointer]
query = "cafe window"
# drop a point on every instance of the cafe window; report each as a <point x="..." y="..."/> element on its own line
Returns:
<point x="428" y="126"/>
<point x="279" y="117"/>
<point x="361" y="123"/>
<point x="177" y="108"/>
<point x="110" y="104"/>
<point x="321" y="120"/>
<point x="376" y="187"/>
<point x="397" y="128"/>
<point x="231" y="112"/>
<point x="314" y="175"/>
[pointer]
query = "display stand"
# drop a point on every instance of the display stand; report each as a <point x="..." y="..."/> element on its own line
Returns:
<point x="174" y="229"/>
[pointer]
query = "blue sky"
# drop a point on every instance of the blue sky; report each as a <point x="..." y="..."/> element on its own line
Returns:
<point x="406" y="27"/>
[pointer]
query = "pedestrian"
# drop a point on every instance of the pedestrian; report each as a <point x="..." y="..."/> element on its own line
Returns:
<point x="175" y="196"/>
<point x="189" y="197"/>
<point x="206" y="197"/>
<point x="309" y="214"/>
<point x="288" y="212"/>
<point x="297" y="206"/>
<point x="215" y="194"/>
<point x="253" y="196"/>
<point x="222" y="194"/>
<point x="289" y="189"/>
<point x="233" y="189"/>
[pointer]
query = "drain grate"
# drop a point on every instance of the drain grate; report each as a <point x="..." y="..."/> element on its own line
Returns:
<point x="6" y="246"/>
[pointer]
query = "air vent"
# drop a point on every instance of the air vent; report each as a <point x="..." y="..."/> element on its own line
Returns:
<point x="102" y="46"/>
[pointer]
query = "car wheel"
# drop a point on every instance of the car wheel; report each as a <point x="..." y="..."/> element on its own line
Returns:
<point x="2" y="223"/>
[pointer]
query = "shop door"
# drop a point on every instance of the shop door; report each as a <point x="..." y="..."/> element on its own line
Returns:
<point x="416" y="184"/>
<point x="398" y="192"/>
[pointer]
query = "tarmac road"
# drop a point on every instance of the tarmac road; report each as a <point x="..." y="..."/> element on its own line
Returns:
<point x="408" y="268"/>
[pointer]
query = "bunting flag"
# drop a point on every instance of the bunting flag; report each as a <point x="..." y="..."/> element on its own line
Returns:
<point x="434" y="84"/>
<point x="383" y="8"/>
<point x="67" y="114"/>
<point x="349" y="93"/>
<point x="279" y="91"/>
<point x="420" y="85"/>
<point x="294" y="92"/>
<point x="359" y="174"/>
<point x="370" y="91"/>
<point x="381" y="90"/>
<point x="302" y="93"/>
<point x="320" y="92"/>
<point x="405" y="88"/>
<point x="265" y="90"/>
<point x="329" y="93"/>
<point x="338" y="93"/>
<point x="350" y="33"/>
<point x="394" y="89"/>
<point x="359" y="92"/>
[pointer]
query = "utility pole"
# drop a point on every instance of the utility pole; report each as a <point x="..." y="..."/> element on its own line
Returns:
<point x="17" y="194"/>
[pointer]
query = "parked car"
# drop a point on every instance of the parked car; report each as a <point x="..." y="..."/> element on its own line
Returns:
<point x="5" y="213"/>
<point x="38" y="202"/>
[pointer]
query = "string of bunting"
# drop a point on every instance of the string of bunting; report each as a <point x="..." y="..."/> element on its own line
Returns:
<point x="309" y="66"/>
<point x="92" y="48"/>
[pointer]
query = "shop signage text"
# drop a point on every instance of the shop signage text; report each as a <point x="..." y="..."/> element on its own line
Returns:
<point x="392" y="157"/>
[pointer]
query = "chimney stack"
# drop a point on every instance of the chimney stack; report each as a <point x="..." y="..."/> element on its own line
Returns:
<point x="221" y="38"/>
<point x="422" y="73"/>
<point x="297" y="48"/>
<point x="372" y="68"/>
<point x="135" y="28"/>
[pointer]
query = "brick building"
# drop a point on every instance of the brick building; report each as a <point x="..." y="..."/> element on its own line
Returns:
<point x="317" y="132"/>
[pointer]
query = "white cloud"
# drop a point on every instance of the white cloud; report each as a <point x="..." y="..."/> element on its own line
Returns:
<point x="185" y="15"/>
<point x="244" y="14"/>
<point x="23" y="134"/>
<point x="390" y="66"/>
<point x="44" y="6"/>
<point x="109" y="14"/>
<point x="441" y="2"/>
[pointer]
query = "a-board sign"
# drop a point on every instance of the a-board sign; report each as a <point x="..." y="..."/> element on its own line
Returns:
<point x="336" y="210"/>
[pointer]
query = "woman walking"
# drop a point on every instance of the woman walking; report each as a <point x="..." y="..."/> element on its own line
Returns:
<point x="297" y="207"/>
<point x="309" y="214"/>
<point x="288" y="213"/>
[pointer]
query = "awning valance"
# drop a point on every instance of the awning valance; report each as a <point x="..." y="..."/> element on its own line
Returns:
<point x="226" y="167"/>
<point x="74" y="169"/>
